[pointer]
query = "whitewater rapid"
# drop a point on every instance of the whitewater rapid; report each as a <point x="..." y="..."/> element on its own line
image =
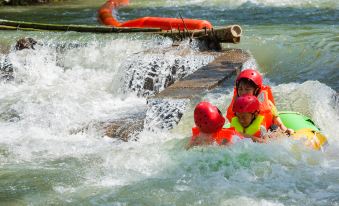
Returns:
<point x="57" y="90"/>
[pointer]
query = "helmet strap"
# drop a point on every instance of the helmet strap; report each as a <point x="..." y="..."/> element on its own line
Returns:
<point x="256" y="91"/>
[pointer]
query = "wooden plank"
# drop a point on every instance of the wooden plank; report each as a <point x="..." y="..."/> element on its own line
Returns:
<point x="225" y="34"/>
<point x="207" y="77"/>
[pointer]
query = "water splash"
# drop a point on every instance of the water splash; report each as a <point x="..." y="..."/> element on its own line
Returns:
<point x="164" y="113"/>
<point x="150" y="72"/>
<point x="37" y="152"/>
<point x="335" y="100"/>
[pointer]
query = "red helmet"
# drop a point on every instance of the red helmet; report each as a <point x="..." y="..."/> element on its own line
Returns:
<point x="252" y="75"/>
<point x="208" y="118"/>
<point x="246" y="103"/>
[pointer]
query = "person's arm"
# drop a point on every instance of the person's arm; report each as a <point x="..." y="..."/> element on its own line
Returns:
<point x="277" y="121"/>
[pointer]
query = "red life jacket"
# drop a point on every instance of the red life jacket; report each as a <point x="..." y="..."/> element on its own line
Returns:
<point x="265" y="98"/>
<point x="223" y="137"/>
<point x="269" y="92"/>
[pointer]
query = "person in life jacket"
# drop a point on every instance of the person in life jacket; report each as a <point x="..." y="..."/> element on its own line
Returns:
<point x="248" y="119"/>
<point x="208" y="128"/>
<point x="250" y="82"/>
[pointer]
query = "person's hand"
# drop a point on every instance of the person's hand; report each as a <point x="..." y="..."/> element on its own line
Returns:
<point x="259" y="139"/>
<point x="256" y="139"/>
<point x="289" y="131"/>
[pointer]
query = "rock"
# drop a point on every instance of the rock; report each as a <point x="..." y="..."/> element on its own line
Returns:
<point x="6" y="67"/>
<point x="124" y="130"/>
<point x="25" y="43"/>
<point x="335" y="102"/>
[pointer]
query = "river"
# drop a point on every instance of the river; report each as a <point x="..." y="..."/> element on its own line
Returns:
<point x="294" y="43"/>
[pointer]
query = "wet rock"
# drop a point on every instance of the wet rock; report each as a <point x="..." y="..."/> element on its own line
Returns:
<point x="335" y="102"/>
<point x="10" y="116"/>
<point x="124" y="130"/>
<point x="209" y="45"/>
<point x="6" y="67"/>
<point x="161" y="114"/>
<point x="25" y="43"/>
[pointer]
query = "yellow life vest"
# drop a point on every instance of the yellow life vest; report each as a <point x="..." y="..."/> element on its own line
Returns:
<point x="267" y="107"/>
<point x="253" y="129"/>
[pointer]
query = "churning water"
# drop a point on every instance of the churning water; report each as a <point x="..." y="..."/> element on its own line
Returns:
<point x="72" y="80"/>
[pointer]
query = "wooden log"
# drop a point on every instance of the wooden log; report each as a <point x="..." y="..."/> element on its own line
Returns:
<point x="77" y="28"/>
<point x="14" y="28"/>
<point x="229" y="34"/>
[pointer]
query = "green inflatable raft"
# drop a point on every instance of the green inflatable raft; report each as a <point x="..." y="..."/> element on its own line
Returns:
<point x="297" y="121"/>
<point x="304" y="128"/>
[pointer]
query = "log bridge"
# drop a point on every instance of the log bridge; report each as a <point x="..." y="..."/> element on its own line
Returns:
<point x="212" y="38"/>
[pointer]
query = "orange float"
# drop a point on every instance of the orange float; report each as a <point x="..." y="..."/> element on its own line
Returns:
<point x="106" y="17"/>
